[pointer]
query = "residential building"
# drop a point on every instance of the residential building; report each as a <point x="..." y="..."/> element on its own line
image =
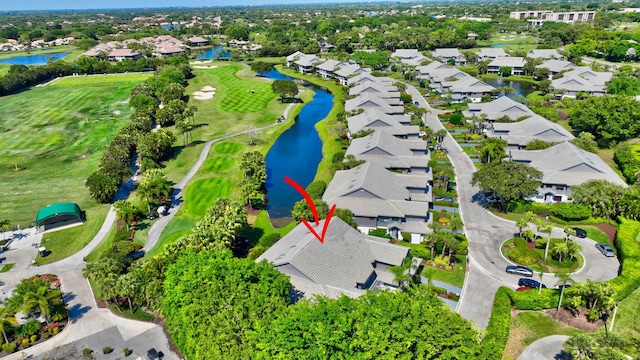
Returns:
<point x="346" y="263"/>
<point x="295" y="56"/>
<point x="446" y="54"/>
<point x="305" y="64"/>
<point x="123" y="54"/>
<point x="515" y="63"/>
<point x="167" y="51"/>
<point x="326" y="47"/>
<point x="546" y="54"/>
<point x="369" y="101"/>
<point x="540" y="16"/>
<point x="453" y="83"/>
<point x="380" y="198"/>
<point x="377" y="89"/>
<point x="563" y="166"/>
<point x="198" y="41"/>
<point x="556" y="66"/>
<point x="373" y="119"/>
<point x="491" y="53"/>
<point x="410" y="57"/>
<point x="326" y="69"/>
<point x="345" y="72"/>
<point x="386" y="150"/>
<point x="500" y="107"/>
<point x="582" y="79"/>
<point x="519" y="134"/>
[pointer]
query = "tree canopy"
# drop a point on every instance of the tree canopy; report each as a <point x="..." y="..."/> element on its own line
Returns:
<point x="611" y="119"/>
<point x="509" y="179"/>
<point x="284" y="88"/>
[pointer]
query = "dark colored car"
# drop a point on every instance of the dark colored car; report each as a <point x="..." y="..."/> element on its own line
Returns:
<point x="581" y="233"/>
<point x="152" y="354"/>
<point x="530" y="283"/>
<point x="605" y="250"/>
<point x="519" y="270"/>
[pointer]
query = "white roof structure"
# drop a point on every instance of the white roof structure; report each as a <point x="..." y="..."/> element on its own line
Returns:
<point x="511" y="61"/>
<point x="555" y="66"/>
<point x="502" y="106"/>
<point x="491" y="53"/>
<point x="390" y="152"/>
<point x="545" y="54"/>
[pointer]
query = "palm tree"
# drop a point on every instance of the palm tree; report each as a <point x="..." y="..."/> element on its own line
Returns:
<point x="125" y="212"/>
<point x="439" y="136"/>
<point x="559" y="249"/>
<point x="42" y="298"/>
<point x="452" y="243"/>
<point x="6" y="318"/>
<point x="456" y="224"/>
<point x="431" y="239"/>
<point x="545" y="227"/>
<point x="570" y="232"/>
<point x="521" y="224"/>
<point x="540" y="274"/>
<point x="564" y="279"/>
<point x="573" y="248"/>
<point x="492" y="148"/>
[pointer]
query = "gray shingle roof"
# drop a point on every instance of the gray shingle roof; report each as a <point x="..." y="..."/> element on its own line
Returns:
<point x="567" y="164"/>
<point x="545" y="54"/>
<point x="446" y="52"/>
<point x="491" y="53"/>
<point x="556" y="66"/>
<point x="511" y="61"/>
<point x="498" y="108"/>
<point x="369" y="100"/>
<point x="376" y="88"/>
<point x="338" y="265"/>
<point x="536" y="127"/>
<point x="330" y="65"/>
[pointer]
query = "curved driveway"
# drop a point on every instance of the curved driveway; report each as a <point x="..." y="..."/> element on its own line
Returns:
<point x="90" y="326"/>
<point x="486" y="232"/>
<point x="547" y="348"/>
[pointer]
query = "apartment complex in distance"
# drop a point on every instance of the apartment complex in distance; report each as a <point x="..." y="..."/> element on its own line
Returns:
<point x="539" y="16"/>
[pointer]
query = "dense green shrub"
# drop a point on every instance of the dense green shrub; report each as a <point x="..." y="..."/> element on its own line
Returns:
<point x="31" y="327"/>
<point x="316" y="189"/>
<point x="268" y="240"/>
<point x="9" y="348"/>
<point x="627" y="159"/>
<point x="423" y="253"/>
<point x="107" y="350"/>
<point x="523" y="256"/>
<point x="629" y="254"/>
<point x="456" y="119"/>
<point x="497" y="331"/>
<point x="380" y="233"/>
<point x="406" y="236"/>
<point x="531" y="300"/>
<point x="570" y="211"/>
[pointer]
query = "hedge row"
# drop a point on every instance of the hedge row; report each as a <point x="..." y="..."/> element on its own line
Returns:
<point x="565" y="212"/>
<point x="629" y="254"/>
<point x="497" y="331"/>
<point x="531" y="300"/>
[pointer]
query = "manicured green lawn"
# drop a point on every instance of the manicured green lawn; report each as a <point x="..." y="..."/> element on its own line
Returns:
<point x="4" y="69"/>
<point x="51" y="139"/>
<point x="6" y="267"/>
<point x="102" y="247"/>
<point x="529" y="326"/>
<point x="66" y="242"/>
<point x="238" y="95"/>
<point x="626" y="322"/>
<point x="455" y="277"/>
<point x="201" y="194"/>
<point x="177" y="227"/>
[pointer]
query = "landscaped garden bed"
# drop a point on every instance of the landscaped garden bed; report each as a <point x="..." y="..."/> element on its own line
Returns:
<point x="526" y="253"/>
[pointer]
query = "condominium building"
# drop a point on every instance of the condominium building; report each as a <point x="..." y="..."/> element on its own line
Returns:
<point x="540" y="16"/>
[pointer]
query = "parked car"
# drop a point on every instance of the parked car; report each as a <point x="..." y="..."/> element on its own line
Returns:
<point x="565" y="286"/>
<point x="152" y="354"/>
<point x="606" y="250"/>
<point x="581" y="233"/>
<point x="530" y="283"/>
<point x="523" y="288"/>
<point x="519" y="270"/>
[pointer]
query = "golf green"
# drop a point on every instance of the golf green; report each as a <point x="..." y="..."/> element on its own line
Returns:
<point x="52" y="137"/>
<point x="217" y="163"/>
<point x="227" y="148"/>
<point x="201" y="194"/>
<point x="239" y="95"/>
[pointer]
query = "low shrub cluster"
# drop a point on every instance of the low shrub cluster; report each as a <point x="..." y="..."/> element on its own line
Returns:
<point x="523" y="256"/>
<point x="627" y="159"/>
<point x="570" y="211"/>
<point x="497" y="331"/>
<point x="531" y="300"/>
<point x="629" y="254"/>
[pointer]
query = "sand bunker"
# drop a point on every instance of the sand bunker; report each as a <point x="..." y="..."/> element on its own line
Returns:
<point x="206" y="93"/>
<point x="204" y="67"/>
<point x="201" y="62"/>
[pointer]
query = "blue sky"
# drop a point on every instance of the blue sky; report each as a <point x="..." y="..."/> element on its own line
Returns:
<point x="113" y="4"/>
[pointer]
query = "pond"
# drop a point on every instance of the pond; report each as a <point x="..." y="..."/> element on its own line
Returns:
<point x="32" y="59"/>
<point x="296" y="153"/>
<point x="521" y="87"/>
<point x="499" y="45"/>
<point x="217" y="52"/>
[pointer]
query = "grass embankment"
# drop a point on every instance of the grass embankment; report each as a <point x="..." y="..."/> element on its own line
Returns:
<point x="529" y="326"/>
<point x="52" y="138"/>
<point x="233" y="109"/>
<point x="330" y="145"/>
<point x="513" y="42"/>
<point x="66" y="242"/>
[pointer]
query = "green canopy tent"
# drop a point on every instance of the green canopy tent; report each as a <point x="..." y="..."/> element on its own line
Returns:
<point x="57" y="215"/>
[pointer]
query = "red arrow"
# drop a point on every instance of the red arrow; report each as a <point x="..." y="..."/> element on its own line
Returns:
<point x="312" y="206"/>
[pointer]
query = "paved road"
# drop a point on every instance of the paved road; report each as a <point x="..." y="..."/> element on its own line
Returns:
<point x="486" y="232"/>
<point x="89" y="325"/>
<point x="547" y="348"/>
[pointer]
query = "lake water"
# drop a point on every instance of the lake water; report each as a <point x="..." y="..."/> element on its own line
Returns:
<point x="499" y="45"/>
<point x="521" y="87"/>
<point x="170" y="27"/>
<point x="296" y="153"/>
<point x="32" y="59"/>
<point x="217" y="52"/>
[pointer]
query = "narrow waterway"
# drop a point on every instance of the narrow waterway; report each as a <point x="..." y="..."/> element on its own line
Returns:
<point x="296" y="153"/>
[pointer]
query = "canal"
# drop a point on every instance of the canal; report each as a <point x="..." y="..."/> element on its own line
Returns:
<point x="296" y="153"/>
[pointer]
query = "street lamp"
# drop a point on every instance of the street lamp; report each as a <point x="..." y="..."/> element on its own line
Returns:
<point x="615" y="309"/>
